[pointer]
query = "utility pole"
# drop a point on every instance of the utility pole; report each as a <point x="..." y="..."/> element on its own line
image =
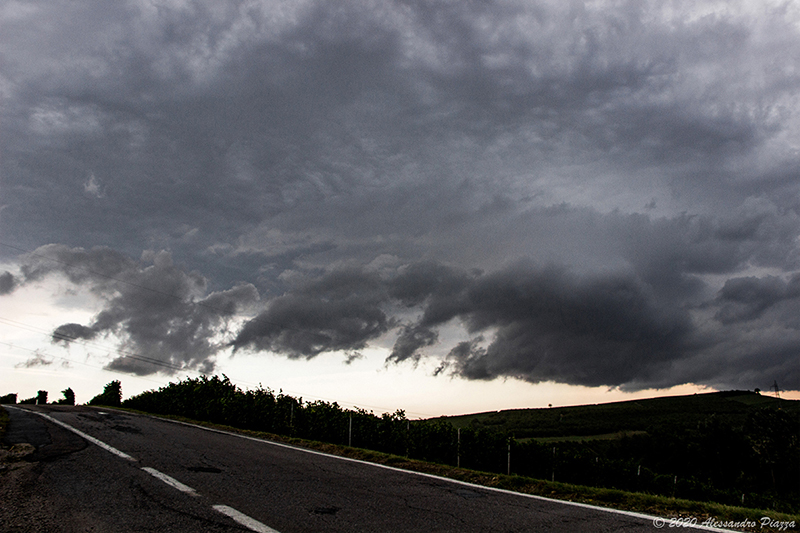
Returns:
<point x="408" y="438"/>
<point x="509" y="457"/>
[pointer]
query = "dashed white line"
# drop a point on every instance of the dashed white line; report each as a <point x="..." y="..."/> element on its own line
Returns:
<point x="243" y="519"/>
<point x="171" y="481"/>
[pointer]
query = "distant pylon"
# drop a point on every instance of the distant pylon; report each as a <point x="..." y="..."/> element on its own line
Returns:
<point x="776" y="389"/>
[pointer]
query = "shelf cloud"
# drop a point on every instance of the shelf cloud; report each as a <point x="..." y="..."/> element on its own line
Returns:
<point x="594" y="193"/>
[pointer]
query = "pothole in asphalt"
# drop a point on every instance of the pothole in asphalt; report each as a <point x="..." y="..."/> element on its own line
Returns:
<point x="94" y="417"/>
<point x="126" y="429"/>
<point x="325" y="510"/>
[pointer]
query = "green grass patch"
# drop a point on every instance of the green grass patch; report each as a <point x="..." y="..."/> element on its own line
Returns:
<point x="650" y="504"/>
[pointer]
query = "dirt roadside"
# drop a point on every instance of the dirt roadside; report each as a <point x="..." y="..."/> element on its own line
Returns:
<point x="17" y="475"/>
<point x="22" y="509"/>
<point x="15" y="456"/>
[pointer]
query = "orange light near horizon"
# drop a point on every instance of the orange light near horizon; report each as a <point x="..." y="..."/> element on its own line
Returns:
<point x="785" y="394"/>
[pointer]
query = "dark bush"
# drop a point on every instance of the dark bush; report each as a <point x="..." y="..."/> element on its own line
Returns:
<point x="9" y="398"/>
<point x="69" y="397"/>
<point x="111" y="396"/>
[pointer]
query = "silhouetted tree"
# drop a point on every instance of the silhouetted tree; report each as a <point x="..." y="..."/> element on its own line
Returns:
<point x="69" y="397"/>
<point x="9" y="398"/>
<point x="111" y="396"/>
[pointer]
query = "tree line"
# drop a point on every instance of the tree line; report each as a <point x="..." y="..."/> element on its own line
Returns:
<point x="41" y="398"/>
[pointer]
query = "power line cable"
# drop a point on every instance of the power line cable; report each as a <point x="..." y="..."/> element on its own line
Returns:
<point x="45" y="354"/>
<point x="84" y="342"/>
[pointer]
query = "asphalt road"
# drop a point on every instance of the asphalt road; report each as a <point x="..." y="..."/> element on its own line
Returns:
<point x="183" y="478"/>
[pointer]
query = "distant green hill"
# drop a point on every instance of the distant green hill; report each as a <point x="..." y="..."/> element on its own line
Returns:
<point x="654" y="415"/>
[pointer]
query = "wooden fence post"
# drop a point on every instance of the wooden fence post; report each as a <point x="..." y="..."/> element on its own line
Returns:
<point x="458" y="449"/>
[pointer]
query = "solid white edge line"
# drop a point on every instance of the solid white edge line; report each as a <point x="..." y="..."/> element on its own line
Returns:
<point x="171" y="481"/>
<point x="81" y="434"/>
<point x="633" y="514"/>
<point x="243" y="519"/>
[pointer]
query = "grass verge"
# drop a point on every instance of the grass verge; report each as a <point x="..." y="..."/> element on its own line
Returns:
<point x="717" y="515"/>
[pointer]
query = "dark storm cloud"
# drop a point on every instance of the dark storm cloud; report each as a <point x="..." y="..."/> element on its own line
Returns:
<point x="7" y="283"/>
<point x="178" y="334"/>
<point x="345" y="308"/>
<point x="374" y="168"/>
<point x="544" y="323"/>
<point x="550" y="325"/>
<point x="745" y="299"/>
<point x="339" y="311"/>
<point x="100" y="266"/>
<point x="547" y="324"/>
<point x="204" y="124"/>
<point x="637" y="326"/>
<point x="305" y="327"/>
<point x="411" y="340"/>
<point x="162" y="314"/>
<point x="67" y="333"/>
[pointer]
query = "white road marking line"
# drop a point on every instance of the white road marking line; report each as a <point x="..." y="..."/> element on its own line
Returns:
<point x="87" y="437"/>
<point x="243" y="519"/>
<point x="171" y="481"/>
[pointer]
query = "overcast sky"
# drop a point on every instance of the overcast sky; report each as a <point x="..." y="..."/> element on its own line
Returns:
<point x="600" y="195"/>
